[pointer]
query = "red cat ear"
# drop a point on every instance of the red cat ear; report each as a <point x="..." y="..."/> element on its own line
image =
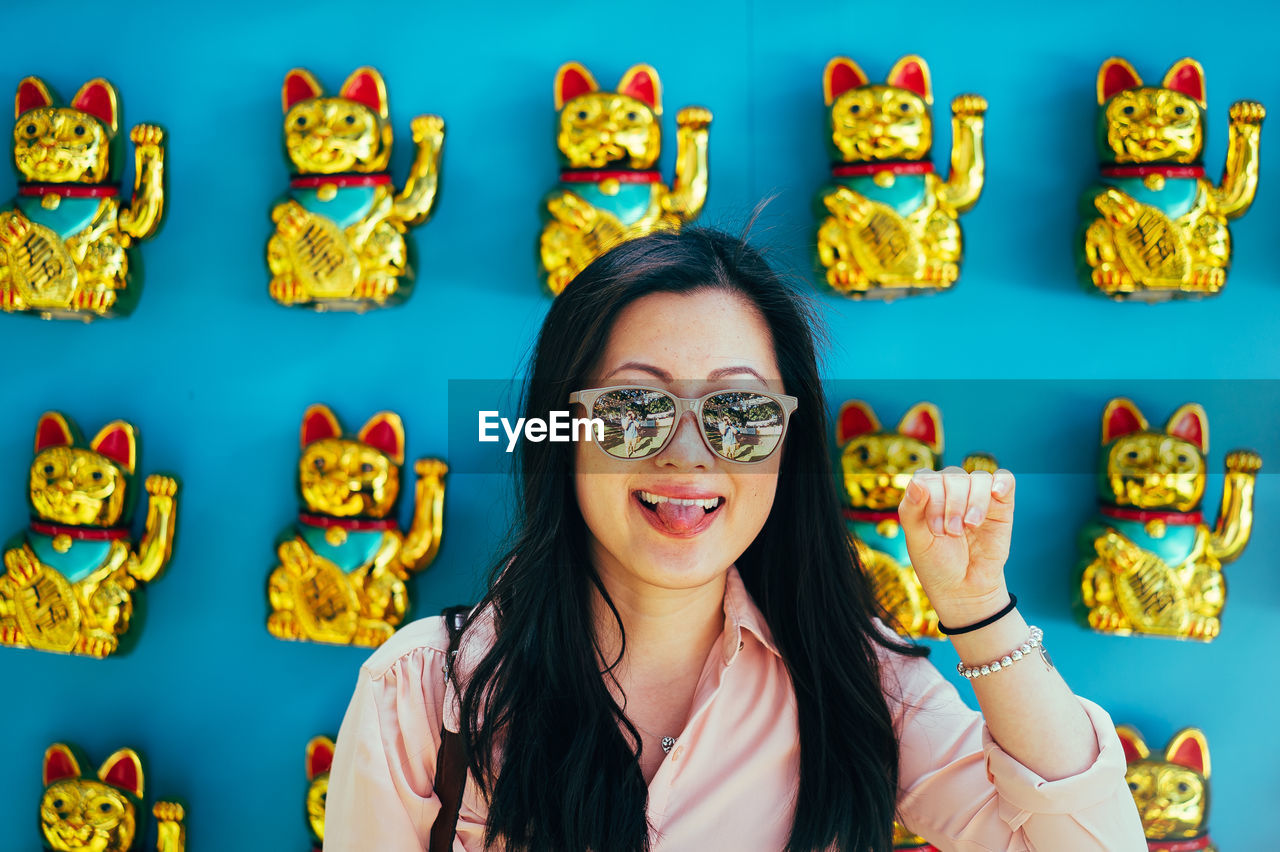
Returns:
<point x="573" y="80"/>
<point x="840" y="75"/>
<point x="319" y="423"/>
<point x="319" y="756"/>
<point x="1121" y="417"/>
<point x="1116" y="75"/>
<point x="1186" y="76"/>
<point x="123" y="770"/>
<point x="912" y="73"/>
<point x="641" y="82"/>
<point x="923" y="421"/>
<point x="365" y="86"/>
<point x="1135" y="748"/>
<point x="299" y="85"/>
<point x="59" y="764"/>
<point x="855" y="418"/>
<point x="1190" y="423"/>
<point x="385" y="432"/>
<point x="118" y="442"/>
<point x="53" y="431"/>
<point x="32" y="94"/>
<point x="98" y="98"/>
<point x="1189" y="748"/>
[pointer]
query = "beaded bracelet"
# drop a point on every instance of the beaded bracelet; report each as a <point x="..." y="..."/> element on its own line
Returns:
<point x="1007" y="660"/>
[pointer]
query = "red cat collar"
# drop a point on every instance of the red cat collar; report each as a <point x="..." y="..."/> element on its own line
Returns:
<point x="1153" y="169"/>
<point x="71" y="190"/>
<point x="81" y="533"/>
<point x="870" y="515"/>
<point x="346" y="523"/>
<point x="1144" y="515"/>
<point x="599" y="175"/>
<point x="897" y="167"/>
<point x="340" y="181"/>
<point x="1192" y="845"/>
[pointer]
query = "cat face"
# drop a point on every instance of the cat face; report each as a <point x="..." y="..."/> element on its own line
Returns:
<point x="601" y="129"/>
<point x="319" y="760"/>
<point x="1146" y="124"/>
<point x="1154" y="470"/>
<point x="71" y="485"/>
<point x="878" y="465"/>
<point x="879" y="122"/>
<point x="347" y="478"/>
<point x="90" y="814"/>
<point x="64" y="144"/>
<point x="331" y="135"/>
<point x="1170" y="790"/>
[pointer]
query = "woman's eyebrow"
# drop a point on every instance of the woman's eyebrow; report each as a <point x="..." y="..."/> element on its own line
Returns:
<point x="659" y="373"/>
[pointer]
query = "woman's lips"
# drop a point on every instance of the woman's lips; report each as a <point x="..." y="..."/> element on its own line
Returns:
<point x="674" y="519"/>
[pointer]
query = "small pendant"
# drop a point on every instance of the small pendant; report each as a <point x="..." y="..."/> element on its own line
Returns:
<point x="667" y="743"/>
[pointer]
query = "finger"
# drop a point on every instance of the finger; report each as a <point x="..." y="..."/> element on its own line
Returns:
<point x="956" y="496"/>
<point x="1003" y="487"/>
<point x="979" y="498"/>
<point x="931" y="481"/>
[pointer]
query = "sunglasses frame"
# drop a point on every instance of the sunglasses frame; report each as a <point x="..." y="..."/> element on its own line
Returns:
<point x="587" y="398"/>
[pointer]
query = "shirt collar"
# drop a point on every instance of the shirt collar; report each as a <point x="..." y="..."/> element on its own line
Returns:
<point x="741" y="612"/>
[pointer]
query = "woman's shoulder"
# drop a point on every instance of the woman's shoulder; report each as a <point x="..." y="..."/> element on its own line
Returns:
<point x="425" y="637"/>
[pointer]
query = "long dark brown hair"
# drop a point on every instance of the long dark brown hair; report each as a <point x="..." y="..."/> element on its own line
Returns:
<point x="541" y="728"/>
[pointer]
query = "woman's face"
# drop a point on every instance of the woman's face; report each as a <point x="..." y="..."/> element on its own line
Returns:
<point x="689" y="344"/>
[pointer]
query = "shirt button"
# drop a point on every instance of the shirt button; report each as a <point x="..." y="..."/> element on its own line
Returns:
<point x="679" y="750"/>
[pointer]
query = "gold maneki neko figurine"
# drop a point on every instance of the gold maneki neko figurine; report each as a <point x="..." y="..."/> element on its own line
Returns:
<point x="340" y="241"/>
<point x="343" y="567"/>
<point x="70" y="580"/>
<point x="888" y="223"/>
<point x="610" y="190"/>
<point x="1171" y="790"/>
<point x="319" y="760"/>
<point x="1150" y="563"/>
<point x="102" y="813"/>
<point x="64" y="245"/>
<point x="1155" y="228"/>
<point x="877" y="465"/>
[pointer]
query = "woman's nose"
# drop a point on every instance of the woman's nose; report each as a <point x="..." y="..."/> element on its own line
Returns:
<point x="687" y="448"/>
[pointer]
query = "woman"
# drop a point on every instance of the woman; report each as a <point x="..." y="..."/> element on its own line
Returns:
<point x="678" y="652"/>
<point x="630" y="431"/>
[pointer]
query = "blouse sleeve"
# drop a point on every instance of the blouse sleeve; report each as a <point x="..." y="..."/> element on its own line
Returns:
<point x="963" y="793"/>
<point x="381" y="782"/>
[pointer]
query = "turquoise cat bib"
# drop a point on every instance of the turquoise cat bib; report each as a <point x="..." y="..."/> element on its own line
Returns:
<point x="70" y="217"/>
<point x="894" y="546"/>
<point x="81" y="559"/>
<point x="630" y="204"/>
<point x="1175" y="199"/>
<point x="1173" y="547"/>
<point x="357" y="550"/>
<point x="349" y="205"/>
<point x="905" y="195"/>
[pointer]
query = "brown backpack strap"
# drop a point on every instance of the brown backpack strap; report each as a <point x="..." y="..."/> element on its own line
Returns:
<point x="451" y="759"/>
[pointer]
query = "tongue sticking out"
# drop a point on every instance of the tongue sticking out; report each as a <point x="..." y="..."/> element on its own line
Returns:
<point x="679" y="519"/>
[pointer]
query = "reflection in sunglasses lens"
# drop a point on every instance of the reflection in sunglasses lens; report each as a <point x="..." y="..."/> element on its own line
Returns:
<point x="743" y="426"/>
<point x="636" y="421"/>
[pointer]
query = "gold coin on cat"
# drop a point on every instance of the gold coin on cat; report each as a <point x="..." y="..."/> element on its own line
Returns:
<point x="887" y="528"/>
<point x="1155" y="183"/>
<point x="51" y="201"/>
<point x="327" y="191"/>
<point x="62" y="542"/>
<point x="885" y="179"/>
<point x="610" y="186"/>
<point x="1156" y="528"/>
<point x="335" y="536"/>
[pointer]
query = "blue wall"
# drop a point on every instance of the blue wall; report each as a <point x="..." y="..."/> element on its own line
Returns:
<point x="216" y="376"/>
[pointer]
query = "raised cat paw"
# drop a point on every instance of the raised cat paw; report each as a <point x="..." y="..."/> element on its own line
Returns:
<point x="427" y="128"/>
<point x="980" y="461"/>
<point x="161" y="486"/>
<point x="1247" y="112"/>
<point x="171" y="811"/>
<point x="22" y="565"/>
<point x="284" y="625"/>
<point x="1243" y="461"/>
<point x="147" y="136"/>
<point x="969" y="105"/>
<point x="694" y="118"/>
<point x="430" y="468"/>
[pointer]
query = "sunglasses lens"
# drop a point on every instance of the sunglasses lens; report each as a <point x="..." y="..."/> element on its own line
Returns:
<point x="637" y="421"/>
<point x="743" y="426"/>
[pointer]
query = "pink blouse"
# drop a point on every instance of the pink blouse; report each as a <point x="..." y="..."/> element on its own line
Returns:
<point x="730" y="781"/>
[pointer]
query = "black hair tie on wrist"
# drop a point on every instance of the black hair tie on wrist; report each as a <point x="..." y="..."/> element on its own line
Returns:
<point x="947" y="631"/>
